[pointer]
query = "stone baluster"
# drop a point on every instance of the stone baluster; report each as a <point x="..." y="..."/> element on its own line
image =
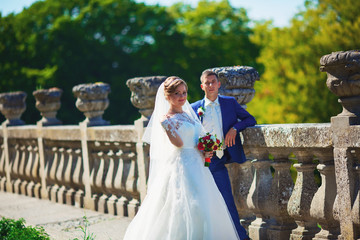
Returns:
<point x="122" y="206"/>
<point x="68" y="177"/>
<point x="302" y="195"/>
<point x="12" y="106"/>
<point x="241" y="177"/>
<point x="110" y="181"/>
<point x="343" y="78"/>
<point x="27" y="187"/>
<point x="131" y="180"/>
<point x="259" y="192"/>
<point x="323" y="201"/>
<point x="15" y="167"/>
<point x="94" y="164"/>
<point x="36" y="181"/>
<point x="18" y="185"/>
<point x="132" y="177"/>
<point x="100" y="182"/>
<point x="92" y="100"/>
<point x="48" y="103"/>
<point x="2" y="170"/>
<point x="59" y="176"/>
<point x="238" y="82"/>
<point x="78" y="179"/>
<point x="119" y="185"/>
<point x="53" y="165"/>
<point x="281" y="190"/>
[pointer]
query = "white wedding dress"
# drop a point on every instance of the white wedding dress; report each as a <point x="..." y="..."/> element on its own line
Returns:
<point x="183" y="201"/>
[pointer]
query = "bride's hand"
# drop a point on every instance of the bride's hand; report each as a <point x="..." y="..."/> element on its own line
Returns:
<point x="208" y="154"/>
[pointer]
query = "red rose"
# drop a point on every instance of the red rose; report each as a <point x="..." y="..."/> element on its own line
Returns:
<point x="215" y="148"/>
<point x="217" y="141"/>
<point x="201" y="146"/>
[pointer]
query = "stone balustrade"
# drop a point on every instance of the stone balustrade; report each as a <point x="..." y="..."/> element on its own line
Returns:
<point x="104" y="179"/>
<point x="302" y="181"/>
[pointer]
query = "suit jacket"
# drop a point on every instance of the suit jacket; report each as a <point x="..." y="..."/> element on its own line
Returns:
<point x="231" y="113"/>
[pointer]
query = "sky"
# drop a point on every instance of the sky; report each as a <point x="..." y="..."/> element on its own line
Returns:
<point x="280" y="11"/>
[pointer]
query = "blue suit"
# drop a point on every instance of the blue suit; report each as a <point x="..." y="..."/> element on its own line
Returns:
<point x="231" y="113"/>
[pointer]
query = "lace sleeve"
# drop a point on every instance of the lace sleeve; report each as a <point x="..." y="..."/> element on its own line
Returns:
<point x="170" y="125"/>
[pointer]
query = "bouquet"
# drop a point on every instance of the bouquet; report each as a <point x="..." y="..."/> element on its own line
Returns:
<point x="209" y="143"/>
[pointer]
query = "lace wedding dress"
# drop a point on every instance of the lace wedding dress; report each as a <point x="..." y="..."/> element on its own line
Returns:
<point x="183" y="201"/>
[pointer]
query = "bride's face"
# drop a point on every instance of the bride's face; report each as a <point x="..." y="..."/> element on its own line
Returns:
<point x="178" y="98"/>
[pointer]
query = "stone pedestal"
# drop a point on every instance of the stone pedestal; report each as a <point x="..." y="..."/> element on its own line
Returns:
<point x="12" y="106"/>
<point x="238" y="82"/>
<point x="343" y="79"/>
<point x="92" y="100"/>
<point x="48" y="103"/>
<point x="143" y="93"/>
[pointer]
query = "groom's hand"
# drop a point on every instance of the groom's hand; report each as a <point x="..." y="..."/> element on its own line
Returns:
<point x="230" y="137"/>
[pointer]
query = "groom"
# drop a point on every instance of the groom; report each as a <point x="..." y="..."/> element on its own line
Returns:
<point x="220" y="115"/>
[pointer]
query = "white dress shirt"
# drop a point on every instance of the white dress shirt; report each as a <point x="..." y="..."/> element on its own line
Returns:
<point x="212" y="120"/>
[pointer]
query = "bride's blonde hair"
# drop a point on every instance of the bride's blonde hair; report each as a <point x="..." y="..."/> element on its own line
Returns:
<point x="171" y="83"/>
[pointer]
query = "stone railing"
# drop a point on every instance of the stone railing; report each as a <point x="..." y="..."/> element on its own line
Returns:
<point x="94" y="167"/>
<point x="301" y="181"/>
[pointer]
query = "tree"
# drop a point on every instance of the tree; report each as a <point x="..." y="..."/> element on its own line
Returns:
<point x="292" y="89"/>
<point x="56" y="43"/>
<point x="215" y="34"/>
<point x="65" y="43"/>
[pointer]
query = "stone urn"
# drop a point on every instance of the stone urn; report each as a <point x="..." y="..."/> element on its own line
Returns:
<point x="12" y="105"/>
<point x="92" y="100"/>
<point x="343" y="79"/>
<point x="48" y="103"/>
<point x="143" y="93"/>
<point x="238" y="82"/>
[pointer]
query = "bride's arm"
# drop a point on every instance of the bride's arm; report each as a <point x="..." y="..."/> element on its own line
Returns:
<point x="171" y="130"/>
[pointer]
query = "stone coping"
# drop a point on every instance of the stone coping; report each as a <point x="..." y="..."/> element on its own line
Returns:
<point x="298" y="135"/>
<point x="114" y="133"/>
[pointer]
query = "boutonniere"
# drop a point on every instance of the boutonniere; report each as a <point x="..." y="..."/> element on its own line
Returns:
<point x="201" y="112"/>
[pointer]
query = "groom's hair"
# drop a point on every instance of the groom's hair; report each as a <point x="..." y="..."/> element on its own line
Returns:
<point x="171" y="83"/>
<point x="207" y="73"/>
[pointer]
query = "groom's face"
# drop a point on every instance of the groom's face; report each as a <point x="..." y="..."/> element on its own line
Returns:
<point x="210" y="85"/>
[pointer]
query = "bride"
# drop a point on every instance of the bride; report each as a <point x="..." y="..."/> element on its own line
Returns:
<point x="182" y="201"/>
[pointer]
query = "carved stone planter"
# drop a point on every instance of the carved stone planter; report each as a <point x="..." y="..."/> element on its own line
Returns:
<point x="143" y="93"/>
<point x="238" y="82"/>
<point x="12" y="105"/>
<point x="343" y="79"/>
<point x="48" y="103"/>
<point x="92" y="100"/>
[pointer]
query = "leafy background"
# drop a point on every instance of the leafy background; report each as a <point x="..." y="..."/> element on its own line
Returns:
<point x="62" y="43"/>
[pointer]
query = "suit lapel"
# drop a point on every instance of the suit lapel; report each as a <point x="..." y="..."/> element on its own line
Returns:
<point x="222" y="108"/>
<point x="202" y="104"/>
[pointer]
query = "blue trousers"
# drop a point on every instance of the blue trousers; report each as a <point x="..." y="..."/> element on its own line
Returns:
<point x="222" y="180"/>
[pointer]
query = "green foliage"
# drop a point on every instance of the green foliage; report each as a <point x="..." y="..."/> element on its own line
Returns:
<point x="85" y="230"/>
<point x="292" y="89"/>
<point x="57" y="43"/>
<point x="15" y="229"/>
<point x="215" y="34"/>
